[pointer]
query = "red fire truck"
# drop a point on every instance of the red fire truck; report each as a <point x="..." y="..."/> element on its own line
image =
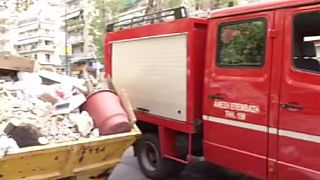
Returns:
<point x="240" y="89"/>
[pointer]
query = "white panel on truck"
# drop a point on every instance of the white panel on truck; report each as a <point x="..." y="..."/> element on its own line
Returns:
<point x="153" y="71"/>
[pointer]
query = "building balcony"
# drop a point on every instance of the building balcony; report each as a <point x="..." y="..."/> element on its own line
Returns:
<point x="73" y="8"/>
<point x="73" y="13"/>
<point x="49" y="48"/>
<point x="71" y="4"/>
<point x="33" y="39"/>
<point x="27" y="21"/>
<point x="76" y="40"/>
<point x="74" y="24"/>
<point x="35" y="35"/>
<point x="82" y="57"/>
<point x="78" y="58"/>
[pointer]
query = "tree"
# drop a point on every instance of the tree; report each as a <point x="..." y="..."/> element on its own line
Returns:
<point x="20" y="4"/>
<point x="106" y="13"/>
<point x="242" y="44"/>
<point x="215" y="4"/>
<point x="157" y="5"/>
<point x="174" y="3"/>
<point x="23" y="4"/>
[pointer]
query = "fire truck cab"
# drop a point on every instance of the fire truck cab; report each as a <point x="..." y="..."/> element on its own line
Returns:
<point x="240" y="89"/>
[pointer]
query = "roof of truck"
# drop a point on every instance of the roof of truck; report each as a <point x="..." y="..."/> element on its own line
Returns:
<point x="261" y="6"/>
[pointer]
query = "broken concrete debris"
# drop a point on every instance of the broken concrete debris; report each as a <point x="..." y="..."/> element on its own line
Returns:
<point x="41" y="108"/>
<point x="28" y="119"/>
<point x="25" y="134"/>
<point x="85" y="125"/>
<point x="7" y="145"/>
<point x="68" y="105"/>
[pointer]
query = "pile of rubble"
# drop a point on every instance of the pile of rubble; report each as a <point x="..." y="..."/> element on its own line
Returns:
<point x="43" y="107"/>
<point x="33" y="113"/>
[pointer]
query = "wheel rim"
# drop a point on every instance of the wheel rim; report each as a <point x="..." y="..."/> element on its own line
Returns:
<point x="150" y="156"/>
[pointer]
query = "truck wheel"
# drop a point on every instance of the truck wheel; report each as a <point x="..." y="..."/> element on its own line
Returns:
<point x="150" y="161"/>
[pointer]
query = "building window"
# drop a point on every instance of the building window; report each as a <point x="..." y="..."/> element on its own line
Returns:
<point x="35" y="56"/>
<point x="46" y="42"/>
<point x="306" y="41"/>
<point x="242" y="43"/>
<point x="34" y="45"/>
<point x="47" y="57"/>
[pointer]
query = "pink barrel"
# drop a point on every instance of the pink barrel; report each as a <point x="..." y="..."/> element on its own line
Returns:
<point x="107" y="113"/>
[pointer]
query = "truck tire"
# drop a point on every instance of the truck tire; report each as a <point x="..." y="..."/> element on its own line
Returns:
<point x="150" y="161"/>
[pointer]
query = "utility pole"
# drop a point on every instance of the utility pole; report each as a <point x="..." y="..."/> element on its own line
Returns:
<point x="66" y="39"/>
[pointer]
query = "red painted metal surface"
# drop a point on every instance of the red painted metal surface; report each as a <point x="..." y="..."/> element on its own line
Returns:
<point x="275" y="83"/>
<point x="233" y="159"/>
<point x="298" y="156"/>
<point x="300" y="87"/>
<point x="243" y="139"/>
<point x="196" y="36"/>
<point x="168" y="143"/>
<point x="265" y="150"/>
<point x="261" y="6"/>
<point x="166" y="122"/>
<point x="238" y="85"/>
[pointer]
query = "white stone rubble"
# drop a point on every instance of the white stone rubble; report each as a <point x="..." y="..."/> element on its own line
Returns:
<point x="20" y="102"/>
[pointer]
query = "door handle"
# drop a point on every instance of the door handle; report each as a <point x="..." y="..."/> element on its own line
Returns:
<point x="216" y="96"/>
<point x="142" y="109"/>
<point x="291" y="106"/>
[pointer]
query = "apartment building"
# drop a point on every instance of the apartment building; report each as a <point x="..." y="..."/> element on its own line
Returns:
<point x="7" y="21"/>
<point x="78" y="17"/>
<point x="38" y="33"/>
<point x="4" y="36"/>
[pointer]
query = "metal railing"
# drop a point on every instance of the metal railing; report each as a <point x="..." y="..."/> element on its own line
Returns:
<point x="36" y="48"/>
<point x="162" y="16"/>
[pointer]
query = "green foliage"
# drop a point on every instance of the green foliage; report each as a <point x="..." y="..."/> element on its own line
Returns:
<point x="23" y="5"/>
<point x="173" y="3"/>
<point x="244" y="45"/>
<point x="73" y="24"/>
<point x="213" y="4"/>
<point x="106" y="11"/>
<point x="224" y="3"/>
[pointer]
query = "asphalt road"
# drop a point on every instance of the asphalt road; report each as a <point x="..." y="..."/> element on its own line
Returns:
<point x="128" y="169"/>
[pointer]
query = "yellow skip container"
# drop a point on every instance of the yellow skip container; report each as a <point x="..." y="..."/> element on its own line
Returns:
<point x="90" y="158"/>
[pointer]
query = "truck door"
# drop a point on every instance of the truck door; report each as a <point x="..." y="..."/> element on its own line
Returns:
<point x="299" y="114"/>
<point x="237" y="87"/>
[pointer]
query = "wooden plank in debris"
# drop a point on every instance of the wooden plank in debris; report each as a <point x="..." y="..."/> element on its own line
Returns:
<point x="10" y="62"/>
<point x="124" y="99"/>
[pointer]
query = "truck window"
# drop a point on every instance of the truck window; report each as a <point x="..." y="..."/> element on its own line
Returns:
<point x="306" y="46"/>
<point x="242" y="43"/>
